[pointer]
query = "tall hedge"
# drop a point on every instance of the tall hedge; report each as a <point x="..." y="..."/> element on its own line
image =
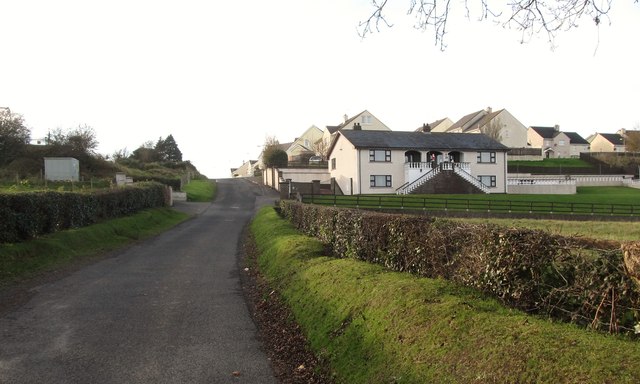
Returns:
<point x="566" y="278"/>
<point x="24" y="216"/>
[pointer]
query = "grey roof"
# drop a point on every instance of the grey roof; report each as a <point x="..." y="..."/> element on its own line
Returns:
<point x="575" y="138"/>
<point x="613" y="138"/>
<point x="421" y="140"/>
<point x="546" y="132"/>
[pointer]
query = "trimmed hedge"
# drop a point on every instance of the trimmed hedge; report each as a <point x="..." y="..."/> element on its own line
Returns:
<point x="24" y="216"/>
<point x="566" y="278"/>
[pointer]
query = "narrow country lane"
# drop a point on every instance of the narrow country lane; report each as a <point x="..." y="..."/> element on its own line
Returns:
<point x="167" y="310"/>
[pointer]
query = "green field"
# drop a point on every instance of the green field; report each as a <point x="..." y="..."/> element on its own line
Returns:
<point x="200" y="190"/>
<point x="551" y="163"/>
<point x="390" y="327"/>
<point x="588" y="201"/>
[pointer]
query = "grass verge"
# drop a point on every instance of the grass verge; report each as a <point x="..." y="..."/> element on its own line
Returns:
<point x="24" y="260"/>
<point x="376" y="326"/>
<point x="200" y="190"/>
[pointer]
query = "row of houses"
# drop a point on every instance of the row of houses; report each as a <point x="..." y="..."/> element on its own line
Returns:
<point x="362" y="155"/>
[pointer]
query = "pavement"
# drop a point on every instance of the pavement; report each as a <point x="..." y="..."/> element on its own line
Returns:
<point x="166" y="310"/>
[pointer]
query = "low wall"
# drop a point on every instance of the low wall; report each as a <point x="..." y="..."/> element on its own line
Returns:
<point x="542" y="189"/>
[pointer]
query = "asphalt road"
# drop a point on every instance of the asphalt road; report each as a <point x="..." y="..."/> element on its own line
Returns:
<point x="167" y="310"/>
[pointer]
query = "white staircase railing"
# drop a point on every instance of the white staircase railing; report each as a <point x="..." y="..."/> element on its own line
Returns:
<point x="407" y="188"/>
<point x="460" y="169"/>
<point x="471" y="179"/>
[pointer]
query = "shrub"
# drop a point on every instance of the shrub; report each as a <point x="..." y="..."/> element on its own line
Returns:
<point x="567" y="278"/>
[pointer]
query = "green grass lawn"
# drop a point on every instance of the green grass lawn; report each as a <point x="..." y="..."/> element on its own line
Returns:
<point x="23" y="260"/>
<point x="200" y="190"/>
<point x="597" y="200"/>
<point x="551" y="163"/>
<point x="376" y="326"/>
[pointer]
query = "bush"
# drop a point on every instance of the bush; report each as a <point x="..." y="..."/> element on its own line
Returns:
<point x="24" y="216"/>
<point x="570" y="279"/>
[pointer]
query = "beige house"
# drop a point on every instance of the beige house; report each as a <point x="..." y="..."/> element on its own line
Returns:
<point x="247" y="169"/>
<point x="441" y="125"/>
<point x="501" y="125"/>
<point x="304" y="146"/>
<point x="374" y="162"/>
<point x="364" y="121"/>
<point x="607" y="142"/>
<point x="554" y="144"/>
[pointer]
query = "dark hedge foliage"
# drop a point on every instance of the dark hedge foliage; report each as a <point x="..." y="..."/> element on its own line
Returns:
<point x="24" y="216"/>
<point x="566" y="278"/>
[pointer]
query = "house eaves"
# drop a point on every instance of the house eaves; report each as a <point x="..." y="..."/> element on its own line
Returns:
<point x="421" y="141"/>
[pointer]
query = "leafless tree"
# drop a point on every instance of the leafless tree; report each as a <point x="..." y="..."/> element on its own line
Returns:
<point x="321" y="147"/>
<point x="528" y="16"/>
<point x="493" y="129"/>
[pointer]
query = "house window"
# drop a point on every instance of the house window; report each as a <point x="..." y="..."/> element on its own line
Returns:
<point x="561" y="142"/>
<point x="333" y="163"/>
<point x="488" y="180"/>
<point x="383" y="155"/>
<point x="380" y="181"/>
<point x="307" y="143"/>
<point x="486" y="157"/>
<point x="366" y="119"/>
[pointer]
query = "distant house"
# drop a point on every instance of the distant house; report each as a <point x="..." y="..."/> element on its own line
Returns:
<point x="555" y="143"/>
<point x="61" y="169"/>
<point x="607" y="142"/>
<point x="441" y="125"/>
<point x="304" y="146"/>
<point x="247" y="169"/>
<point x="501" y="125"/>
<point x="631" y="139"/>
<point x="363" y="121"/>
<point x="372" y="162"/>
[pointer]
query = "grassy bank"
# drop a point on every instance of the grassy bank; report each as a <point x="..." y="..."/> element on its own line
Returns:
<point x="375" y="326"/>
<point x="200" y="190"/>
<point x="24" y="260"/>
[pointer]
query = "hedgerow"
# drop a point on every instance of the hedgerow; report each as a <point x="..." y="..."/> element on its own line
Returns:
<point x="567" y="278"/>
<point x="27" y="215"/>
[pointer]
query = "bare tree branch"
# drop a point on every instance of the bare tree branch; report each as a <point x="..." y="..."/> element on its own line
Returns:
<point x="531" y="17"/>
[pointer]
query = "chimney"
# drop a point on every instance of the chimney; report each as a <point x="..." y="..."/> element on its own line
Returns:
<point x="345" y="117"/>
<point x="557" y="128"/>
<point x="357" y="127"/>
<point x="489" y="109"/>
<point x="426" y="128"/>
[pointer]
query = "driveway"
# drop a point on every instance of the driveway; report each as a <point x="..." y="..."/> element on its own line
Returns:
<point x="166" y="310"/>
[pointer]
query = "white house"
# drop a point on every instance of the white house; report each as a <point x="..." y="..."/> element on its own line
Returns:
<point x="371" y="162"/>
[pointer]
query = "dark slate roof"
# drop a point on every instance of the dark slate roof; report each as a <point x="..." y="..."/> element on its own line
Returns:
<point x="546" y="132"/>
<point x="420" y="140"/>
<point x="613" y="138"/>
<point x="575" y="138"/>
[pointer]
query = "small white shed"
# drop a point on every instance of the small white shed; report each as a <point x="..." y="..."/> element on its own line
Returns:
<point x="61" y="169"/>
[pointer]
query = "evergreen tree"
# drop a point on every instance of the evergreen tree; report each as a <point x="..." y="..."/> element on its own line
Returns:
<point x="168" y="150"/>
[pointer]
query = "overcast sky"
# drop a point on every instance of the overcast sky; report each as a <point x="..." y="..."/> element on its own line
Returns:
<point x="221" y="76"/>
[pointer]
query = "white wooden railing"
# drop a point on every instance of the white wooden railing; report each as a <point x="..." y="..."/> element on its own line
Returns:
<point x="418" y="173"/>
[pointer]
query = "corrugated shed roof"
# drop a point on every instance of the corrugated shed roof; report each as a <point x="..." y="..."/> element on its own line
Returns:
<point x="420" y="140"/>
